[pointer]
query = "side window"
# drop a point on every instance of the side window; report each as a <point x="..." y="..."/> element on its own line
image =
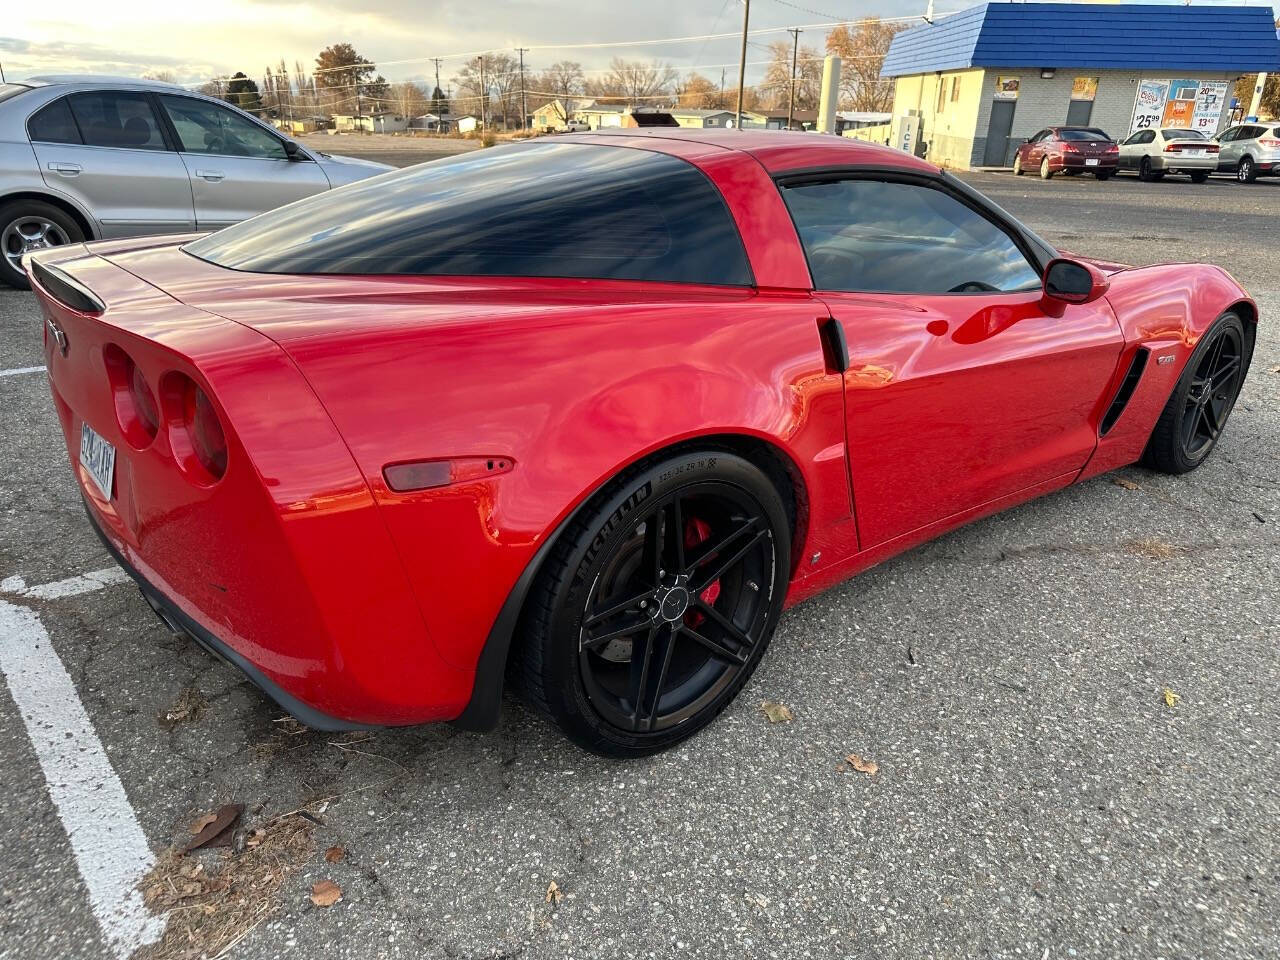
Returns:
<point x="205" y="127"/>
<point x="117" y="119"/>
<point x="1226" y="136"/>
<point x="885" y="237"/>
<point x="54" y="124"/>
<point x="1038" y="136"/>
<point x="1148" y="136"/>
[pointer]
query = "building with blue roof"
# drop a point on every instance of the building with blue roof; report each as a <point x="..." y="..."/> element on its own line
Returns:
<point x="971" y="87"/>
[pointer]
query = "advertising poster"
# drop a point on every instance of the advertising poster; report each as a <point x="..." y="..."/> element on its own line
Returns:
<point x="1007" y="88"/>
<point x="1181" y="105"/>
<point x="1084" y="88"/>
<point x="1211" y="100"/>
<point x="1149" y="108"/>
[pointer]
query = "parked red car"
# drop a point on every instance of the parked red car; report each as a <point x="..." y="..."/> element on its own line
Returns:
<point x="591" y="411"/>
<point x="1069" y="150"/>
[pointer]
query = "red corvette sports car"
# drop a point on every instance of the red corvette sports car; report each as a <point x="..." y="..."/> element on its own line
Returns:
<point x="589" y="411"/>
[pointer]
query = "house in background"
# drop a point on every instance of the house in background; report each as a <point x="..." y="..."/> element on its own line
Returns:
<point x="688" y="117"/>
<point x="777" y="119"/>
<point x="601" y="115"/>
<point x="555" y="114"/>
<point x="970" y="88"/>
<point x="384" y="121"/>
<point x="466" y="123"/>
<point x="433" y="123"/>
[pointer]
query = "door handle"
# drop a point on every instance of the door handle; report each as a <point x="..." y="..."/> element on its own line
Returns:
<point x="65" y="169"/>
<point x="835" y="348"/>
<point x="213" y="176"/>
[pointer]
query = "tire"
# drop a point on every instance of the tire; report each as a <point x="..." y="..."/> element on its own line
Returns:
<point x="1145" y="173"/>
<point x="1199" y="176"/>
<point x="1017" y="165"/>
<point x="31" y="225"/>
<point x="610" y="608"/>
<point x="1190" y="425"/>
<point x="1045" y="172"/>
<point x="1247" y="170"/>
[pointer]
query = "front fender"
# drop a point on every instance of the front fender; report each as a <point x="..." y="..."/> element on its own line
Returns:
<point x="1164" y="309"/>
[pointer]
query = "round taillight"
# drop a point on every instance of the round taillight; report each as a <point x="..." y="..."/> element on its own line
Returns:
<point x="194" y="429"/>
<point x="207" y="439"/>
<point x="131" y="396"/>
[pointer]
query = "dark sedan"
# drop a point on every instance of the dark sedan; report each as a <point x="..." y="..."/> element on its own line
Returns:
<point x="1069" y="150"/>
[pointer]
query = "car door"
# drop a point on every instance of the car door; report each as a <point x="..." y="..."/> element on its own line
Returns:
<point x="237" y="167"/>
<point x="1035" y="149"/>
<point x="1130" y="148"/>
<point x="107" y="150"/>
<point x="1228" y="148"/>
<point x="961" y="387"/>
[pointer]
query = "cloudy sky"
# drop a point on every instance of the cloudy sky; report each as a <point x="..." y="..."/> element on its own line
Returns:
<point x="195" y="41"/>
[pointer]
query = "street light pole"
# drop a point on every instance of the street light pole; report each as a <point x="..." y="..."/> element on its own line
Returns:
<point x="795" y="47"/>
<point x="742" y="61"/>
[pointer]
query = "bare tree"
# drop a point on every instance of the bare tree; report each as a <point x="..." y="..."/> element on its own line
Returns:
<point x="564" y="81"/>
<point x="637" y="82"/>
<point x="164" y="76"/>
<point x="409" y="99"/>
<point x="501" y="75"/>
<point x="697" y="92"/>
<point x="862" y="52"/>
<point x="776" y="87"/>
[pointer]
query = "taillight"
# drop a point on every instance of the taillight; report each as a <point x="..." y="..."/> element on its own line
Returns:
<point x="1211" y="148"/>
<point x="1269" y="144"/>
<point x="134" y="403"/>
<point x="1114" y="148"/>
<point x="195" y="431"/>
<point x="1173" y="148"/>
<point x="1070" y="148"/>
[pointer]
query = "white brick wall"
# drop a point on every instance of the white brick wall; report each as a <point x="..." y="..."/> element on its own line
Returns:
<point x="1043" y="103"/>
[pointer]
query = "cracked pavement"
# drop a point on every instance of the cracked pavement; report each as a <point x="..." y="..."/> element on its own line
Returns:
<point x="1035" y="795"/>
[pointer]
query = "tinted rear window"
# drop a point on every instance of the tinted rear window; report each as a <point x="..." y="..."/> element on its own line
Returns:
<point x="530" y="210"/>
<point x="53" y="124"/>
<point x="1183" y="134"/>
<point x="1082" y="135"/>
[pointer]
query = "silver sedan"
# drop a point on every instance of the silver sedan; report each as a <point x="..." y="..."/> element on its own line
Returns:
<point x="89" y="158"/>
<point x="1156" y="151"/>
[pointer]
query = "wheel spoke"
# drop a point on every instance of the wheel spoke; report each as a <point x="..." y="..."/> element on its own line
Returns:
<point x="634" y="625"/>
<point x="709" y="552"/>
<point x="669" y="648"/>
<point x="1190" y="420"/>
<point x="717" y="649"/>
<point x="1210" y="418"/>
<point x="725" y="623"/>
<point x="639" y="681"/>
<point x="678" y="533"/>
<point x="654" y="534"/>
<point x="725" y="565"/>
<point x="617" y="608"/>
<point x="1227" y="373"/>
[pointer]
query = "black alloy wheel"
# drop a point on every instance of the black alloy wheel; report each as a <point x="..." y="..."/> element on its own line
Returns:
<point x="1197" y="410"/>
<point x="661" y="605"/>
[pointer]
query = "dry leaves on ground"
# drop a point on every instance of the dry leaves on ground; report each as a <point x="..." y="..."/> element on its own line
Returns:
<point x="553" y="893"/>
<point x="186" y="709"/>
<point x="855" y="762"/>
<point x="1152" y="547"/>
<point x="213" y="901"/>
<point x="1170" y="698"/>
<point x="1127" y="484"/>
<point x="334" y="854"/>
<point x="216" y="829"/>
<point x="325" y="893"/>
<point x="776" y="712"/>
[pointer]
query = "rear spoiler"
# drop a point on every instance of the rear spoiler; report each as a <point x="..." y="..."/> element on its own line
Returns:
<point x="63" y="288"/>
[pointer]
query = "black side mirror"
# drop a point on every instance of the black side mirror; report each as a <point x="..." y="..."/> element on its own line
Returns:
<point x="293" y="151"/>
<point x="1070" y="281"/>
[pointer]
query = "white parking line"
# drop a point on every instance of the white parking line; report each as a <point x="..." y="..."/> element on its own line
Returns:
<point x="71" y="587"/>
<point x="17" y="370"/>
<point x="110" y="848"/>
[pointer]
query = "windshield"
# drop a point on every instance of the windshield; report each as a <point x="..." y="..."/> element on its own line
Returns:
<point x="1180" y="134"/>
<point x="1088" y="135"/>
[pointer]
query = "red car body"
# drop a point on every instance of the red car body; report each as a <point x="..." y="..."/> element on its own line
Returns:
<point x="1056" y="148"/>
<point x="353" y="603"/>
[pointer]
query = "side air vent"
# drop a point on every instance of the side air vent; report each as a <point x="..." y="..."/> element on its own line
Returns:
<point x="1121" y="400"/>
<point x="65" y="290"/>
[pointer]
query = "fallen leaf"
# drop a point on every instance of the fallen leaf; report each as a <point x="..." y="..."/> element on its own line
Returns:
<point x="325" y="893"/>
<point x="199" y="823"/>
<point x="776" y="712"/>
<point x="1127" y="484"/>
<point x="334" y="854"/>
<point x="1170" y="698"/>
<point x="218" y="831"/>
<point x="1276" y="368"/>
<point x="255" y="837"/>
<point x="553" y="893"/>
<point x="869" y="767"/>
<point x="186" y="709"/>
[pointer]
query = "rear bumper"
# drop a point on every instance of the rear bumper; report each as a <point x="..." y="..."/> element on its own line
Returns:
<point x="1173" y="163"/>
<point x="179" y="622"/>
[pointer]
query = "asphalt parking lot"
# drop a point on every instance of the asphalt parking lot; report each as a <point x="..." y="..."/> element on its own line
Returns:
<point x="1073" y="708"/>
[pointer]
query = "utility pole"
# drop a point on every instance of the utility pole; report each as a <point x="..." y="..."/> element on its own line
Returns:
<point x="524" y="112"/>
<point x="795" y="48"/>
<point x="742" y="61"/>
<point x="435" y="106"/>
<point x="484" y="95"/>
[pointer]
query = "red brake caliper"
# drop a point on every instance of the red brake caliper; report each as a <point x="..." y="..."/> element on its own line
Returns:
<point x="697" y="531"/>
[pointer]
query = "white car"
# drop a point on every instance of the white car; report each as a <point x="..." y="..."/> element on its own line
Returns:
<point x="1156" y="151"/>
<point x="93" y="158"/>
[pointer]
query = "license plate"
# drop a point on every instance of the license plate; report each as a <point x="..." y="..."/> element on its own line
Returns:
<point x="1091" y="162"/>
<point x="99" y="458"/>
<point x="1193" y="153"/>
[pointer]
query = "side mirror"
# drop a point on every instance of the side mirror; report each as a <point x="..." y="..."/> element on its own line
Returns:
<point x="1073" y="282"/>
<point x="292" y="150"/>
